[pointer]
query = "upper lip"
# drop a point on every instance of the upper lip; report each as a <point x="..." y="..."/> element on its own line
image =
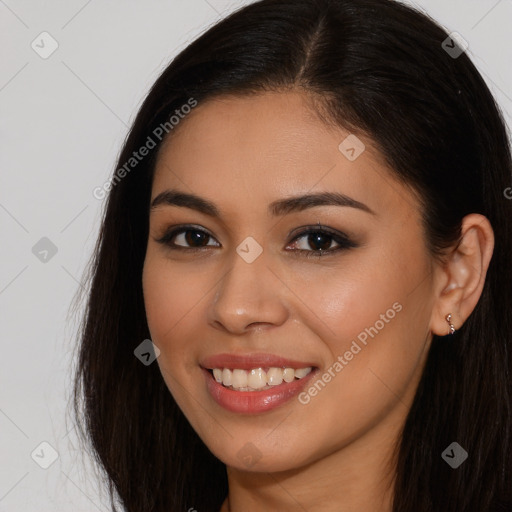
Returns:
<point x="250" y="361"/>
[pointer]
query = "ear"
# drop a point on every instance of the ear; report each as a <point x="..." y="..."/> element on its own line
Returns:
<point x="460" y="279"/>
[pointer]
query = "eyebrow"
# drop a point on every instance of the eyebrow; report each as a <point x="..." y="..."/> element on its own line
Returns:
<point x="276" y="208"/>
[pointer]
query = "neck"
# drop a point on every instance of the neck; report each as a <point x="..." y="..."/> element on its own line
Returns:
<point x="356" y="478"/>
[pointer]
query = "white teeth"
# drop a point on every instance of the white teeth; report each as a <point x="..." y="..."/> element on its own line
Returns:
<point x="257" y="378"/>
<point x="302" y="372"/>
<point x="274" y="376"/>
<point x="239" y="379"/>
<point x="227" y="377"/>
<point x="288" y="374"/>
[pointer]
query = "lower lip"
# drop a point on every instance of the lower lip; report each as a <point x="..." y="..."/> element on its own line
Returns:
<point x="252" y="402"/>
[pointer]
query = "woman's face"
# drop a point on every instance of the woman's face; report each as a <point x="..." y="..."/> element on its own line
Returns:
<point x="244" y="287"/>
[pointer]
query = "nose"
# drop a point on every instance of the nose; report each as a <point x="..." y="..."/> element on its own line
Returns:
<point x="248" y="296"/>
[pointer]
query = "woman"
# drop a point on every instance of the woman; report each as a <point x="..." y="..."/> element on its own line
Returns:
<point x="336" y="333"/>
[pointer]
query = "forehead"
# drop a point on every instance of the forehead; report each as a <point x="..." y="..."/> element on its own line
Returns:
<point x="254" y="149"/>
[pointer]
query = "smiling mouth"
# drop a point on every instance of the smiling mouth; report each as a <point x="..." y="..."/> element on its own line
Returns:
<point x="257" y="379"/>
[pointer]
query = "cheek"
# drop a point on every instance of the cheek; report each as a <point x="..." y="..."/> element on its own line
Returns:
<point x="363" y="293"/>
<point x="169" y="296"/>
<point x="169" y="299"/>
<point x="375" y="307"/>
<point x="378" y="315"/>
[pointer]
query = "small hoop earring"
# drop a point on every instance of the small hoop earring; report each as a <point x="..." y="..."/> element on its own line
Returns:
<point x="449" y="320"/>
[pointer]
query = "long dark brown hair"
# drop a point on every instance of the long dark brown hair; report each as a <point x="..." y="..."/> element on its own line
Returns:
<point x="378" y="68"/>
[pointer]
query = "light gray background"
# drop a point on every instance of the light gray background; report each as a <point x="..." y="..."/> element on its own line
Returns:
<point x="63" y="120"/>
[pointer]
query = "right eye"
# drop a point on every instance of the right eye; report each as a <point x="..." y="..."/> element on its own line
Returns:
<point x="192" y="236"/>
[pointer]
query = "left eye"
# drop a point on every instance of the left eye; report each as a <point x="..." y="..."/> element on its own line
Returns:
<point x="319" y="239"/>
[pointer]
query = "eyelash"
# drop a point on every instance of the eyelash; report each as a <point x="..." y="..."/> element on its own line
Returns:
<point x="341" y="239"/>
